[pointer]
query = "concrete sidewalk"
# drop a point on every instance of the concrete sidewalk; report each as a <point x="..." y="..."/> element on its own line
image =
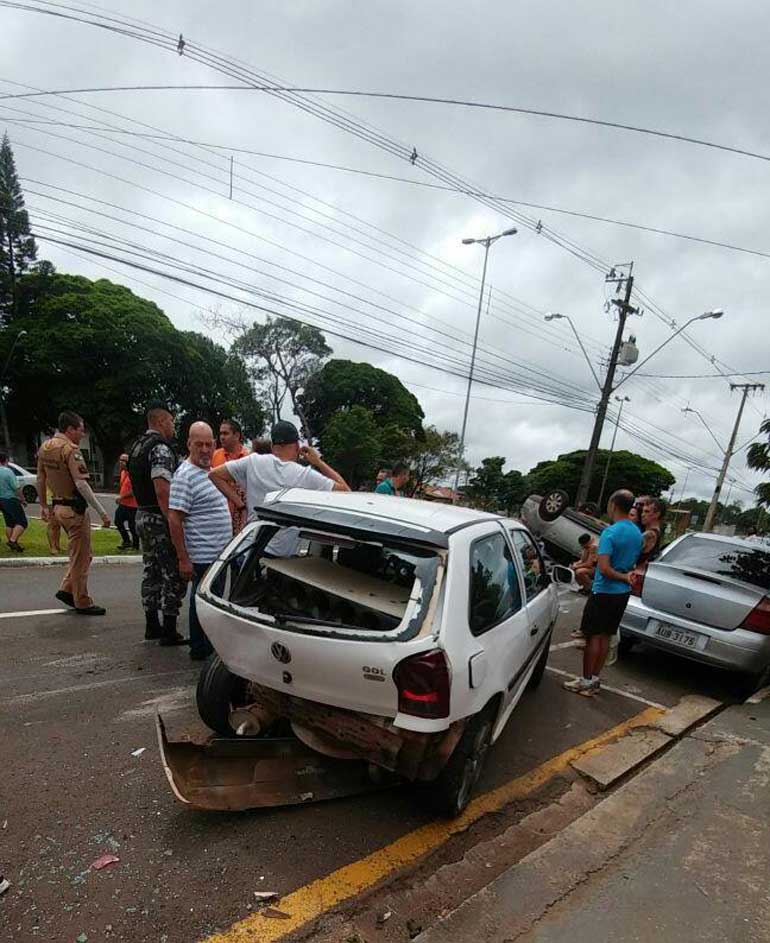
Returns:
<point x="680" y="852"/>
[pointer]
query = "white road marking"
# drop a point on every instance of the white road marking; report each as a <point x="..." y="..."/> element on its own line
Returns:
<point x="30" y="612"/>
<point x="573" y="643"/>
<point x="75" y="688"/>
<point x="606" y="687"/>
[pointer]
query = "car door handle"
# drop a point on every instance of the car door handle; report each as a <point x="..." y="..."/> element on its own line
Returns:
<point x="534" y="630"/>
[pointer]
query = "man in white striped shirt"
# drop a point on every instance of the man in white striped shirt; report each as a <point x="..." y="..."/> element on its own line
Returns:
<point x="200" y="523"/>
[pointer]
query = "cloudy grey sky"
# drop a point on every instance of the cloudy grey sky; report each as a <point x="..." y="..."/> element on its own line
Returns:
<point x="385" y="256"/>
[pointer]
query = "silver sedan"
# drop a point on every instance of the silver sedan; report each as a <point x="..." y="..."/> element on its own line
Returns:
<point x="706" y="597"/>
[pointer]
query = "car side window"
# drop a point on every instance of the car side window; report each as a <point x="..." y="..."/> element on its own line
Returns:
<point x="17" y="471"/>
<point x="494" y="583"/>
<point x="533" y="563"/>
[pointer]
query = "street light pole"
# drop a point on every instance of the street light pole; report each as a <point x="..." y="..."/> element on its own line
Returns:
<point x="622" y="400"/>
<point x="711" y="513"/>
<point x="554" y="316"/>
<point x="3" y="416"/>
<point x="486" y="242"/>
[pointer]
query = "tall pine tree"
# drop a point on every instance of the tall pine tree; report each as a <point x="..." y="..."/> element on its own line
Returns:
<point x="17" y="246"/>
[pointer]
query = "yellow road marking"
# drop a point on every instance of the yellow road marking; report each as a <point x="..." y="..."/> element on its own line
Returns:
<point x="311" y="901"/>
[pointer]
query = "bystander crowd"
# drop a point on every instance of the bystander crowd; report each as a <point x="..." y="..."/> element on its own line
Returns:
<point x="200" y="524"/>
<point x="12" y="505"/>
<point x="395" y="481"/>
<point x="619" y="547"/>
<point x="258" y="475"/>
<point x="125" y="511"/>
<point x="152" y="462"/>
<point x="230" y="450"/>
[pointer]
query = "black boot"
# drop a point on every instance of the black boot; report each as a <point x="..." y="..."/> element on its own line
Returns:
<point x="152" y="629"/>
<point x="169" y="635"/>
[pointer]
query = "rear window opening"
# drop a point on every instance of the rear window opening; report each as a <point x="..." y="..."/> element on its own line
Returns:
<point x="749" y="565"/>
<point x="334" y="582"/>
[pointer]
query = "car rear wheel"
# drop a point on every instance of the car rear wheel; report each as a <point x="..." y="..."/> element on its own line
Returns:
<point x="450" y="792"/>
<point x="553" y="505"/>
<point x="218" y="692"/>
<point x="30" y="493"/>
<point x="625" y="644"/>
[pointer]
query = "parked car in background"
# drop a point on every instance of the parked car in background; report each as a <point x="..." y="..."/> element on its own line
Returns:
<point x="558" y="525"/>
<point x="403" y="633"/>
<point x="28" y="482"/>
<point x="707" y="598"/>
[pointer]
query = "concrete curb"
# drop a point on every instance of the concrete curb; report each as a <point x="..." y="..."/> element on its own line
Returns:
<point x="512" y="905"/>
<point x="109" y="560"/>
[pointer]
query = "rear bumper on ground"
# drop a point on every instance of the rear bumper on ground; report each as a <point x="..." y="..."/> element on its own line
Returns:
<point x="736" y="650"/>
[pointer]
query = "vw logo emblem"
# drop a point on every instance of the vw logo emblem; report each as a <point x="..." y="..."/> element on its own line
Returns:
<point x="280" y="653"/>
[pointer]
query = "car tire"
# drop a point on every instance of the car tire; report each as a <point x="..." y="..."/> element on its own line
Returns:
<point x="30" y="494"/>
<point x="537" y="675"/>
<point x="553" y="505"/>
<point x="625" y="644"/>
<point x="591" y="508"/>
<point x="219" y="690"/>
<point x="752" y="682"/>
<point x="449" y="794"/>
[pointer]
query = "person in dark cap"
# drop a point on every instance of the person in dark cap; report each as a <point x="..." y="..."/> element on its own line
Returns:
<point x="258" y="475"/>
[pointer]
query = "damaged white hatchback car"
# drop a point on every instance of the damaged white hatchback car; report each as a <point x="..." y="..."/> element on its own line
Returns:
<point x="402" y="633"/>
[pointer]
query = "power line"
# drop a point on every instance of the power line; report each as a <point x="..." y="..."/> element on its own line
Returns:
<point x="398" y="96"/>
<point x="578" y="214"/>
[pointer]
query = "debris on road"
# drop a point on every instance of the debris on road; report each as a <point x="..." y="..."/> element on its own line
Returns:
<point x="4" y="884"/>
<point x="104" y="861"/>
<point x="83" y="938"/>
<point x="266" y="895"/>
<point x="413" y="928"/>
<point x="138" y="752"/>
<point x="275" y="914"/>
<point x="383" y="917"/>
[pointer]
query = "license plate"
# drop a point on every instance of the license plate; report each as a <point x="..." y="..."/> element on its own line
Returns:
<point x="676" y="636"/>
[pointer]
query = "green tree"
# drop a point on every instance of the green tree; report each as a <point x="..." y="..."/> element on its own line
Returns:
<point x="352" y="444"/>
<point x="283" y="355"/>
<point x="627" y="470"/>
<point x="216" y="387"/>
<point x="433" y="457"/>
<point x="342" y="384"/>
<point x="101" y="350"/>
<point x="17" y="246"/>
<point x="758" y="458"/>
<point x="492" y="489"/>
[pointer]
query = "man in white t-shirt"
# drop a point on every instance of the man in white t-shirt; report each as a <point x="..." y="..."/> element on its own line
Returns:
<point x="258" y="475"/>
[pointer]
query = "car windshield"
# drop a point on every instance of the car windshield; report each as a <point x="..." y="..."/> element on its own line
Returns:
<point x="747" y="564"/>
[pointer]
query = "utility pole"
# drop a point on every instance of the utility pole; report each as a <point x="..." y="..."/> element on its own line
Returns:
<point x="711" y="513"/>
<point x="624" y="309"/>
<point x="622" y="400"/>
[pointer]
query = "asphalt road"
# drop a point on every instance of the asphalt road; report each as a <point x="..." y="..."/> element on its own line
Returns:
<point x="78" y="695"/>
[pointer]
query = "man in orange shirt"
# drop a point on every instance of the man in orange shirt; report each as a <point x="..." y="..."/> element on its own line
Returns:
<point x="125" y="512"/>
<point x="232" y="447"/>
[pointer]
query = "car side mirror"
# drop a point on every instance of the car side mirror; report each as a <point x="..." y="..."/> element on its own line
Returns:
<point x="561" y="574"/>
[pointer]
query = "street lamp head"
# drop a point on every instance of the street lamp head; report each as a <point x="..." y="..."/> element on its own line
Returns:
<point x="509" y="232"/>
<point x="468" y="242"/>
<point x="552" y="316"/>
<point x="716" y="313"/>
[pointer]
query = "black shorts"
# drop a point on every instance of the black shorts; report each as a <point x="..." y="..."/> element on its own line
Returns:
<point x="603" y="612"/>
<point x="13" y="512"/>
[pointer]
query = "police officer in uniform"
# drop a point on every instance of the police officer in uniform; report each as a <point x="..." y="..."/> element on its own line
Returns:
<point x="152" y="462"/>
<point x="62" y="469"/>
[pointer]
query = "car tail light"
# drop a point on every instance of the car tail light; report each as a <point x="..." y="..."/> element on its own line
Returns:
<point x="637" y="580"/>
<point x="758" y="620"/>
<point x="423" y="685"/>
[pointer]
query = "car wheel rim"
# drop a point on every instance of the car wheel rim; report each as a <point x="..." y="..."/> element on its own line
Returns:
<point x="552" y="504"/>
